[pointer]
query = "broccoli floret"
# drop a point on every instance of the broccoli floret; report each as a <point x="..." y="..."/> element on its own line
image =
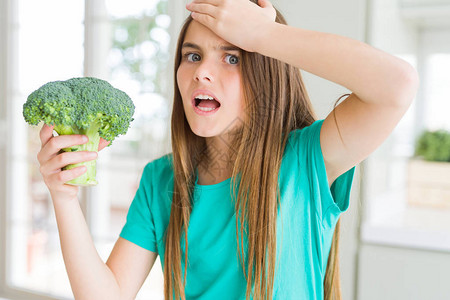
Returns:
<point x="85" y="105"/>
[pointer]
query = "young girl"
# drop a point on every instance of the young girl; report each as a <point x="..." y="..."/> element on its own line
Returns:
<point x="254" y="181"/>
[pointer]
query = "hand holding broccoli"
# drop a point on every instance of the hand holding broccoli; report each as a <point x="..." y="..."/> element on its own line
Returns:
<point x="52" y="162"/>
<point x="78" y="107"/>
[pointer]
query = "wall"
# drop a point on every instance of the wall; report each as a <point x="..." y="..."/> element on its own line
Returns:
<point x="346" y="18"/>
<point x="384" y="271"/>
<point x="3" y="60"/>
<point x="400" y="273"/>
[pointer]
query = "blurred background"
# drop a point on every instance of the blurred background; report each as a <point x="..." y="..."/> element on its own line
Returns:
<point x="395" y="237"/>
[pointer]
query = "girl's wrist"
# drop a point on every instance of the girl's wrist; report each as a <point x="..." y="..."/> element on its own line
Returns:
<point x="63" y="199"/>
<point x="264" y="37"/>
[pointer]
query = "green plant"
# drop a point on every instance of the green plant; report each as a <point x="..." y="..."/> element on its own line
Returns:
<point x="434" y="146"/>
<point x="140" y="47"/>
<point x="84" y="105"/>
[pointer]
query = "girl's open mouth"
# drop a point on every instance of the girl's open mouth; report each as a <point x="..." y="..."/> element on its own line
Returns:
<point x="205" y="105"/>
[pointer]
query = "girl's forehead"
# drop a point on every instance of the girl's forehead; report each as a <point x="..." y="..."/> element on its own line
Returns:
<point x="203" y="37"/>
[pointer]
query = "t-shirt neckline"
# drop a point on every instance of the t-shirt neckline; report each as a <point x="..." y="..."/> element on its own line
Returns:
<point x="210" y="186"/>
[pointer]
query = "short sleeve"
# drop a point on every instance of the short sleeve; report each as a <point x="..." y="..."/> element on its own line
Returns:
<point x="140" y="227"/>
<point x="330" y="202"/>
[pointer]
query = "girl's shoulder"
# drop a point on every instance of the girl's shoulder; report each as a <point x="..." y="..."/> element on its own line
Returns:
<point x="159" y="168"/>
<point x="305" y="137"/>
<point x="307" y="130"/>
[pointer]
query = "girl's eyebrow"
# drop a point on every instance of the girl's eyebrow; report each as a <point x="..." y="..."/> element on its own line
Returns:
<point x="190" y="45"/>
<point x="221" y="47"/>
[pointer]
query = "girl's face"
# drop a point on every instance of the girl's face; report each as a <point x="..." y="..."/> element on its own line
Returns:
<point x="210" y="67"/>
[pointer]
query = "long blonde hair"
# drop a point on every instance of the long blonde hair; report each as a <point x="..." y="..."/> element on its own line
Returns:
<point x="276" y="103"/>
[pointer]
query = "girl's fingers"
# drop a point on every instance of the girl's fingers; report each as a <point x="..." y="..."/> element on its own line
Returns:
<point x="46" y="134"/>
<point x="203" y="19"/>
<point x="57" y="182"/>
<point x="55" y="144"/>
<point x="212" y="2"/>
<point x="264" y="3"/>
<point x="66" y="141"/>
<point x="203" y="8"/>
<point x="66" y="175"/>
<point x="103" y="143"/>
<point x="67" y="158"/>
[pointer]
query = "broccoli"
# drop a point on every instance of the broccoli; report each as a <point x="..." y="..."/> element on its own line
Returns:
<point x="85" y="105"/>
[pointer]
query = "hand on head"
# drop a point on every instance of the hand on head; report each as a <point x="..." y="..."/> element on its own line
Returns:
<point x="240" y="22"/>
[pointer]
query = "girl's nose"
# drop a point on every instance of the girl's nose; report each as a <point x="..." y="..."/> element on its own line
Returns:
<point x="204" y="72"/>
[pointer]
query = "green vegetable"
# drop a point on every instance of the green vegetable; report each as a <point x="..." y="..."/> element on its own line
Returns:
<point x="85" y="105"/>
<point x="434" y="146"/>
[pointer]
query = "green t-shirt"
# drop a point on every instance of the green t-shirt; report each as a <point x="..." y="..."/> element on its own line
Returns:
<point x="309" y="212"/>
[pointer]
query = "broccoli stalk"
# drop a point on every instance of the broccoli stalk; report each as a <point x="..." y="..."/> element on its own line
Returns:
<point x="89" y="177"/>
<point x="87" y="106"/>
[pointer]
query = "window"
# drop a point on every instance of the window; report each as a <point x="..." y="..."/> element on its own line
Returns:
<point x="128" y="45"/>
<point x="419" y="32"/>
<point x="45" y="52"/>
<point x="435" y="77"/>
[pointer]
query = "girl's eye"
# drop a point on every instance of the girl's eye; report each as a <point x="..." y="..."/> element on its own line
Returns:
<point x="192" y="56"/>
<point x="232" y="59"/>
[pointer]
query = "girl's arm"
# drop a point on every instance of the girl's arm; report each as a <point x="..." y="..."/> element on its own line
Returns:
<point x="90" y="277"/>
<point x="382" y="85"/>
